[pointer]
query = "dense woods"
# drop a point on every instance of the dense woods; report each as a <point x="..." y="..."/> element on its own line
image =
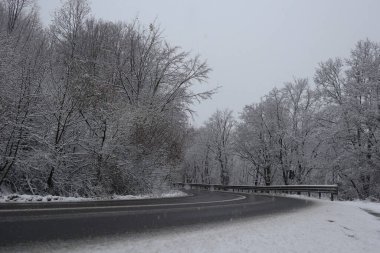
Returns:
<point x="91" y="107"/>
<point x="321" y="132"/>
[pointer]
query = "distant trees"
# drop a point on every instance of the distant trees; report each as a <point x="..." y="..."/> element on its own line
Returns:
<point x="90" y="107"/>
<point x="308" y="134"/>
<point x="220" y="128"/>
<point x="255" y="143"/>
<point x="210" y="158"/>
<point x="199" y="163"/>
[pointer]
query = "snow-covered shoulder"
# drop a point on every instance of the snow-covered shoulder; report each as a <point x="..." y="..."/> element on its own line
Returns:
<point x="373" y="207"/>
<point x="366" y="205"/>
<point x="22" y="198"/>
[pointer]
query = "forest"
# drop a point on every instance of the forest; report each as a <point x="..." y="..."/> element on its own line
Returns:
<point x="91" y="107"/>
<point x="320" y="132"/>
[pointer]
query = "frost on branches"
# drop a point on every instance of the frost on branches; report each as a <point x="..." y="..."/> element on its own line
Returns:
<point x="89" y="107"/>
<point x="325" y="133"/>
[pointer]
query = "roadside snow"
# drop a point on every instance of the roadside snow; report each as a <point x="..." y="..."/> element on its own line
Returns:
<point x="362" y="204"/>
<point x="325" y="227"/>
<point x="14" y="198"/>
<point x="365" y="205"/>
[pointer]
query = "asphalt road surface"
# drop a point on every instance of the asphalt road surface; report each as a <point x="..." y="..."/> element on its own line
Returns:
<point x="21" y="223"/>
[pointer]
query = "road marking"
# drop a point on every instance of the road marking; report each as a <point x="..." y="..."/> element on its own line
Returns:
<point x="241" y="197"/>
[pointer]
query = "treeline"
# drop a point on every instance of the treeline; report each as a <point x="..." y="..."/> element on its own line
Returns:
<point x="90" y="107"/>
<point x="325" y="132"/>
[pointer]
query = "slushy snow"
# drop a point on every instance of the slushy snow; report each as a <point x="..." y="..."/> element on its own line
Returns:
<point x="324" y="227"/>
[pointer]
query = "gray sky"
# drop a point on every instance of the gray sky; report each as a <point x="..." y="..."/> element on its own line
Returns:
<point x="252" y="46"/>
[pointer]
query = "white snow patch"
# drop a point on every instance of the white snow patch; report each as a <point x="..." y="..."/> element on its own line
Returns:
<point x="169" y="194"/>
<point x="366" y="205"/>
<point x="325" y="227"/>
<point x="362" y="204"/>
<point x="22" y="198"/>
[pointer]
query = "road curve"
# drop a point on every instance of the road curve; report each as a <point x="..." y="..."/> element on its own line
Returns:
<point x="20" y="223"/>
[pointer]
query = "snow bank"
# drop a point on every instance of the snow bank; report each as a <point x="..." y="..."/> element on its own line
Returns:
<point x="325" y="227"/>
<point x="12" y="198"/>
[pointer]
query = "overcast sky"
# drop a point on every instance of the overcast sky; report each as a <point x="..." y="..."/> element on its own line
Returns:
<point x="252" y="46"/>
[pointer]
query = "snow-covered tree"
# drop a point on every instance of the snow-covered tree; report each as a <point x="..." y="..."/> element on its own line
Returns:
<point x="90" y="107"/>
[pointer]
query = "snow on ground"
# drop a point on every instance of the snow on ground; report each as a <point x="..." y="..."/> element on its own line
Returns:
<point x="13" y="198"/>
<point x="324" y="227"/>
<point x="365" y="205"/>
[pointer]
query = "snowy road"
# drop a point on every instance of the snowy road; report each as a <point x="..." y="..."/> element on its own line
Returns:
<point x="21" y="223"/>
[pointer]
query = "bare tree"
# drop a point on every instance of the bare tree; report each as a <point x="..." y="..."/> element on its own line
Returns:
<point x="220" y="127"/>
<point x="24" y="70"/>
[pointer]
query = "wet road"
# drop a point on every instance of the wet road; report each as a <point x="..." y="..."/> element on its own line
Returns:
<point x="27" y="222"/>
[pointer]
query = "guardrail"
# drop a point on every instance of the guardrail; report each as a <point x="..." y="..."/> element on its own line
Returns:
<point x="325" y="189"/>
